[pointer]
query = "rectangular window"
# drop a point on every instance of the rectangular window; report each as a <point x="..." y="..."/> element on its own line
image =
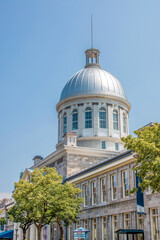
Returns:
<point x="94" y="229"/>
<point x="103" y="144"/>
<point x="114" y="226"/>
<point x="85" y="194"/>
<point x="125" y="185"/>
<point x="93" y="184"/>
<point x="140" y="224"/>
<point x="86" y="224"/>
<point x="104" y="228"/>
<point x="154" y="224"/>
<point x="127" y="221"/>
<point x="116" y="146"/>
<point x="103" y="190"/>
<point x="114" y="186"/>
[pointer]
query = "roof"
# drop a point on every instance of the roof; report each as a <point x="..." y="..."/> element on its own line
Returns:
<point x="93" y="80"/>
<point x="129" y="231"/>
<point x="7" y="234"/>
<point x="101" y="164"/>
<point x="5" y="195"/>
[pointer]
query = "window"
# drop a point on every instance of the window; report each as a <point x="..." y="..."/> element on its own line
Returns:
<point x="140" y="221"/>
<point x="125" y="188"/>
<point x="103" y="144"/>
<point x="114" y="186"/>
<point x="104" y="228"/>
<point x="93" y="184"/>
<point x="94" y="229"/>
<point x="115" y="120"/>
<point x="154" y="224"/>
<point x="103" y="190"/>
<point x="88" y="117"/>
<point x="127" y="221"/>
<point x="74" y="119"/>
<point x="85" y="194"/>
<point x="127" y="224"/>
<point x="140" y="225"/>
<point x="102" y="117"/>
<point x="116" y="146"/>
<point x="86" y="224"/>
<point x="65" y="123"/>
<point x="114" y="226"/>
<point x="124" y="123"/>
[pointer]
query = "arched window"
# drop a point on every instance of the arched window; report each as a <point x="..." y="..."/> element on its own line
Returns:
<point x="115" y="120"/>
<point x="88" y="117"/>
<point x="65" y="123"/>
<point x="102" y="117"/>
<point x="74" y="119"/>
<point x="124" y="123"/>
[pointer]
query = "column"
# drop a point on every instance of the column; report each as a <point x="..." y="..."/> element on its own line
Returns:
<point x="32" y="232"/>
<point x="95" y="119"/>
<point x="110" y="120"/>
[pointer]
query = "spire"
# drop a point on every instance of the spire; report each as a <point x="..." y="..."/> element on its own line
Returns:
<point x="91" y="31"/>
<point x="92" y="54"/>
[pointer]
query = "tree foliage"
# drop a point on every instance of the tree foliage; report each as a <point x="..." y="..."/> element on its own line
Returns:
<point x="147" y="147"/>
<point x="46" y="199"/>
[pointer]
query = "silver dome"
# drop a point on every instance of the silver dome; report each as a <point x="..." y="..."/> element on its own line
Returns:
<point x="93" y="80"/>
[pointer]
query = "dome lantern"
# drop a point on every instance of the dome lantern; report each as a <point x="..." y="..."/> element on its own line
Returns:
<point x="92" y="58"/>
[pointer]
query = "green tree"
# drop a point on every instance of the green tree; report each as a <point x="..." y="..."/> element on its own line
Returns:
<point x="45" y="197"/>
<point x="2" y="221"/>
<point x="147" y="148"/>
<point x="19" y="214"/>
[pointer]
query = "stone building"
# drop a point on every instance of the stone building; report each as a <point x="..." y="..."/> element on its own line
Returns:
<point x="93" y="115"/>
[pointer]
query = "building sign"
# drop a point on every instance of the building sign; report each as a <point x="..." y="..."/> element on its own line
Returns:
<point x="140" y="198"/>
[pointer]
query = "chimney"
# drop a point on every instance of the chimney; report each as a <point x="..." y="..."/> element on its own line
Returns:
<point x="37" y="159"/>
<point x="70" y="139"/>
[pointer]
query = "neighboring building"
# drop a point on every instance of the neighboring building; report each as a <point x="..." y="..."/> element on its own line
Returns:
<point x="6" y="202"/>
<point x="93" y="115"/>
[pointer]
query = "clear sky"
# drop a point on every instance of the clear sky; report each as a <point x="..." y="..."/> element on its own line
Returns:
<point x="42" y="44"/>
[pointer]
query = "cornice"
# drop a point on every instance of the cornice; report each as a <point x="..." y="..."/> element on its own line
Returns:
<point x="62" y="103"/>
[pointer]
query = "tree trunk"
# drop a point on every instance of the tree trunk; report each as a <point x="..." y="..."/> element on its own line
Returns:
<point x="61" y="229"/>
<point x="39" y="232"/>
<point x="24" y="234"/>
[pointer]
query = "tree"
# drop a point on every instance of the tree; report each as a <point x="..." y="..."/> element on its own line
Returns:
<point x="19" y="214"/>
<point x="44" y="197"/>
<point x="147" y="148"/>
<point x="69" y="206"/>
<point x="2" y="222"/>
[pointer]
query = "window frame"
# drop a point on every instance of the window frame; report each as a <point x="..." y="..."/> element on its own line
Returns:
<point x="103" y="191"/>
<point x="75" y="119"/>
<point x="102" y="120"/>
<point x="85" y="196"/>
<point x="114" y="228"/>
<point x="94" y="192"/>
<point x="115" y="122"/>
<point x="155" y="215"/>
<point x="88" y="118"/>
<point x="65" y="123"/>
<point x="124" y="184"/>
<point x="114" y="188"/>
<point x="103" y="146"/>
<point x="124" y="123"/>
<point x="104" y="228"/>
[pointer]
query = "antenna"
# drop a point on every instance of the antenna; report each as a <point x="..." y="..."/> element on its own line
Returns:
<point x="91" y="30"/>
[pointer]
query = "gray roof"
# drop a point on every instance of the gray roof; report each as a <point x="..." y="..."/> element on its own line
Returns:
<point x="93" y="80"/>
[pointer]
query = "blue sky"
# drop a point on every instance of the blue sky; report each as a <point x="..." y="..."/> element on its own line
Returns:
<point x="42" y="43"/>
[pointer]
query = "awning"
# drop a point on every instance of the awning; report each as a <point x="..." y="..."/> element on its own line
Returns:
<point x="129" y="231"/>
<point x="7" y="235"/>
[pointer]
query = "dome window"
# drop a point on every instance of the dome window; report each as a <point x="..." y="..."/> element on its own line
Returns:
<point x="102" y="117"/>
<point x="88" y="117"/>
<point x="65" y="123"/>
<point x="115" y="120"/>
<point x="74" y="119"/>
